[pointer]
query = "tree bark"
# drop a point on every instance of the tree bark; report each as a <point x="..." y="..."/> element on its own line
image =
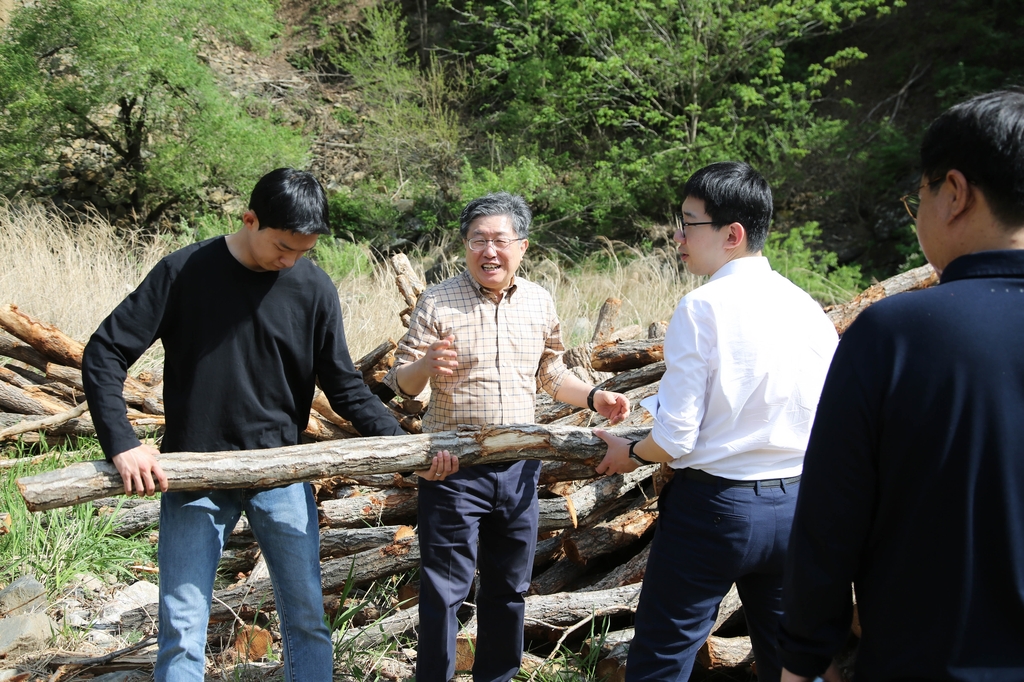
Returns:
<point x="606" y="320"/>
<point x="566" y="512"/>
<point x="136" y="393"/>
<point x="409" y="284"/>
<point x="725" y="652"/>
<point x="396" y="505"/>
<point x="547" y="614"/>
<point x="18" y="350"/>
<point x="49" y="341"/>
<point x="622" y="355"/>
<point x="628" y="573"/>
<point x="608" y="536"/>
<point x="15" y="379"/>
<point x="44" y="423"/>
<point x="634" y="378"/>
<point x="14" y="399"/>
<point x="281" y="466"/>
<point x="842" y="316"/>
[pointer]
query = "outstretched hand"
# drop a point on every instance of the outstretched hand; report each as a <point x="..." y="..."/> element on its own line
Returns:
<point x="442" y="466"/>
<point x="612" y="406"/>
<point x="140" y="470"/>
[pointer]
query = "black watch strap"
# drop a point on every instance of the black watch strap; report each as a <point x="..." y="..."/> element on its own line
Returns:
<point x="635" y="457"/>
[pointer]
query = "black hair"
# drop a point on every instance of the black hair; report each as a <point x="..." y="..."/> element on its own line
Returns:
<point x="499" y="203"/>
<point x="733" y="192"/>
<point x="983" y="138"/>
<point x="293" y="200"/>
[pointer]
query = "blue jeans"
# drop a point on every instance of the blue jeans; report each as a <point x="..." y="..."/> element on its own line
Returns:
<point x="193" y="528"/>
<point x="708" y="537"/>
<point x="495" y="506"/>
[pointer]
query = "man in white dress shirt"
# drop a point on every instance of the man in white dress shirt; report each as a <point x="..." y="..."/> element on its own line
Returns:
<point x="746" y="356"/>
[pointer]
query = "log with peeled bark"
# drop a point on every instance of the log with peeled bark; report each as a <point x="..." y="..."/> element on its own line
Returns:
<point x="607" y="320"/>
<point x="566" y="512"/>
<point x="320" y="428"/>
<point x="578" y="360"/>
<point x="16" y="379"/>
<point x="409" y="285"/>
<point x="725" y="652"/>
<point x="338" y="542"/>
<point x="843" y="315"/>
<point x="87" y="481"/>
<point x="49" y="341"/>
<point x="619" y="356"/>
<point x="43" y="423"/>
<point x="19" y="350"/>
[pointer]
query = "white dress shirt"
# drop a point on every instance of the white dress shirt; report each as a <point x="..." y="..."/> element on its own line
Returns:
<point x="746" y="356"/>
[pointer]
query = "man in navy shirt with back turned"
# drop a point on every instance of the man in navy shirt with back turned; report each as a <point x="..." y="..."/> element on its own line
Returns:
<point x="913" y="484"/>
<point x="248" y="327"/>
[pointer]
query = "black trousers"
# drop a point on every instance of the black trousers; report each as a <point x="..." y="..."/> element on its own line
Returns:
<point x="493" y="507"/>
<point x="710" y="535"/>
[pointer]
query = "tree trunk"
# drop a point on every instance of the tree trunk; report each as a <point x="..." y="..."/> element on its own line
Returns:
<point x="608" y="536"/>
<point x="135" y="393"/>
<point x="628" y="573"/>
<point x="843" y="315"/>
<point x="282" y="466"/>
<point x="409" y="284"/>
<point x="15" y="379"/>
<point x="396" y="505"/>
<point x="14" y="399"/>
<point x="567" y="512"/>
<point x="547" y="614"/>
<point x="634" y="378"/>
<point x="606" y="320"/>
<point x="51" y="342"/>
<point x="622" y="355"/>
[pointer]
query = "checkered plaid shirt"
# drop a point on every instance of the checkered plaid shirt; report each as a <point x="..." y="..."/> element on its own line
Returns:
<point x="505" y="351"/>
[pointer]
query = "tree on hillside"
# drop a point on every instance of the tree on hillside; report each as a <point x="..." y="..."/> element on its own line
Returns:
<point x="633" y="95"/>
<point x="126" y="76"/>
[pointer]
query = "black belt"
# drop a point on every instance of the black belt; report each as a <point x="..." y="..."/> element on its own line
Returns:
<point x="705" y="477"/>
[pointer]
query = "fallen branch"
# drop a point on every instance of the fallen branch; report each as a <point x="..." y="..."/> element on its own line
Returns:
<point x="44" y="423"/>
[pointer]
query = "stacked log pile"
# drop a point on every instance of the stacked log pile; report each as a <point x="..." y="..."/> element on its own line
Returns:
<point x="594" y="531"/>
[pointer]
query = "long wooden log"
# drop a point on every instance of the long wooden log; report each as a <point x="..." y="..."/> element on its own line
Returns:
<point x="16" y="379"/>
<point x="49" y="341"/>
<point x="21" y="351"/>
<point x="628" y="573"/>
<point x="87" y="481"/>
<point x="391" y="506"/>
<point x="634" y="378"/>
<point x="409" y="284"/>
<point x="842" y="316"/>
<point x="546" y="614"/>
<point x="619" y="356"/>
<point x="566" y="512"/>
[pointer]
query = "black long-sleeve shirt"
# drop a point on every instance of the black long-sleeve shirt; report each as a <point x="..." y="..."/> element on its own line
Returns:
<point x="913" y="487"/>
<point x="243" y="350"/>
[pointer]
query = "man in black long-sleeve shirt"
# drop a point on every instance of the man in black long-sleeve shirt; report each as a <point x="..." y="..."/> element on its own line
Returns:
<point x="248" y="326"/>
<point x="913" y="483"/>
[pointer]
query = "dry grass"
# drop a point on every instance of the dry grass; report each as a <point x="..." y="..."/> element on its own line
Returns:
<point x="73" y="274"/>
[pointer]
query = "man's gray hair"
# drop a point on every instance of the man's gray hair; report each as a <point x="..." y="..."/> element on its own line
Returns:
<point x="498" y="203"/>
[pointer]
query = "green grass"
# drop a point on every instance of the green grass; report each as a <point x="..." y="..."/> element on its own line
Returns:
<point x="55" y="545"/>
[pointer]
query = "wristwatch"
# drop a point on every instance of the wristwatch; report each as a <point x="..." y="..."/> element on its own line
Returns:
<point x="635" y="457"/>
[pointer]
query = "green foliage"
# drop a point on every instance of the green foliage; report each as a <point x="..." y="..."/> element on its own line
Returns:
<point x="56" y="544"/>
<point x="126" y="74"/>
<point x="796" y="254"/>
<point x="341" y="259"/>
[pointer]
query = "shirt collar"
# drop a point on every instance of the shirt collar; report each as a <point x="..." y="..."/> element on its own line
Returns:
<point x="486" y="293"/>
<point x="1008" y="263"/>
<point x="747" y="264"/>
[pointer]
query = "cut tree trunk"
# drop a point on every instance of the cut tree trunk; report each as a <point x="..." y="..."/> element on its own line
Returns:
<point x="619" y="356"/>
<point x="44" y="423"/>
<point x="608" y="536"/>
<point x="547" y="615"/>
<point x="409" y="285"/>
<point x="338" y="542"/>
<point x="842" y="316"/>
<point x="14" y="399"/>
<point x="568" y="511"/>
<point x="16" y="379"/>
<point x="87" y="481"/>
<point x="51" y="342"/>
<point x="606" y="320"/>
<point x="136" y="393"/>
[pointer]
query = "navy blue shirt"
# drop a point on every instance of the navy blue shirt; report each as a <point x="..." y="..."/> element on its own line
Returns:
<point x="913" y="487"/>
<point x="243" y="351"/>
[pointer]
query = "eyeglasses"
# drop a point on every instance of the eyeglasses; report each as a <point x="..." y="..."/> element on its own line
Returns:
<point x="912" y="201"/>
<point x="681" y="227"/>
<point x="500" y="244"/>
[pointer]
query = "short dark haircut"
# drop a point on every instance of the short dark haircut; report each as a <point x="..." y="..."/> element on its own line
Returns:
<point x="293" y="200"/>
<point x="498" y="203"/>
<point x="983" y="138"/>
<point x="733" y="192"/>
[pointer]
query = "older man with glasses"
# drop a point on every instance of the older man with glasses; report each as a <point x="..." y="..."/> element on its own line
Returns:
<point x="483" y="340"/>
<point x="913" y="485"/>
